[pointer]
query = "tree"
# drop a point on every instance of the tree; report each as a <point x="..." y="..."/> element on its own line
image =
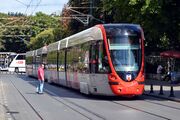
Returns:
<point x="41" y="22"/>
<point x="159" y="19"/>
<point x="13" y="44"/>
<point x="18" y="31"/>
<point x="45" y="30"/>
<point x="13" y="35"/>
<point x="60" y="33"/>
<point x="44" y="38"/>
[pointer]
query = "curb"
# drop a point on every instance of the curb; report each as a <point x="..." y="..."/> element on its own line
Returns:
<point x="163" y="97"/>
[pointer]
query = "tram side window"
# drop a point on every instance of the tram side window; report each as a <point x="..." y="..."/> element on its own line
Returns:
<point x="29" y="60"/>
<point x="103" y="66"/>
<point x="98" y="58"/>
<point x="37" y="60"/>
<point x="94" y="58"/>
<point x="34" y="59"/>
<point x="83" y="62"/>
<point x="72" y="59"/>
<point x="52" y="60"/>
<point x="61" y="61"/>
<point x="44" y="58"/>
<point x="78" y="58"/>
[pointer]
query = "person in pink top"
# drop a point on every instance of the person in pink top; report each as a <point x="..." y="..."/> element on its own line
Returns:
<point x="41" y="79"/>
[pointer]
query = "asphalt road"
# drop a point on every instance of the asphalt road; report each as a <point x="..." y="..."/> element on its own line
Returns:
<point x="19" y="101"/>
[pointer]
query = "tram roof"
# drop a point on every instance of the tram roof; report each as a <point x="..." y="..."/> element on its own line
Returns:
<point x="30" y="53"/>
<point x="53" y="46"/>
<point x="42" y="50"/>
<point x="91" y="34"/>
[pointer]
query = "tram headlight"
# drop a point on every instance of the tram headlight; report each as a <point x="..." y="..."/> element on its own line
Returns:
<point x="137" y="89"/>
<point x="112" y="77"/>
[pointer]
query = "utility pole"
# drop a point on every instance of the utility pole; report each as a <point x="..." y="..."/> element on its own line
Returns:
<point x="86" y="19"/>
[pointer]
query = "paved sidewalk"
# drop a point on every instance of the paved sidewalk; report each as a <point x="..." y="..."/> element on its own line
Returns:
<point x="2" y="110"/>
<point x="162" y="89"/>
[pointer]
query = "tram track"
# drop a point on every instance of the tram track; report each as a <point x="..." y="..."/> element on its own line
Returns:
<point x="125" y="105"/>
<point x="90" y="114"/>
<point x="31" y="106"/>
<point x="176" y="108"/>
<point x="121" y="104"/>
<point x="151" y="102"/>
<point x="140" y="110"/>
<point x="66" y="102"/>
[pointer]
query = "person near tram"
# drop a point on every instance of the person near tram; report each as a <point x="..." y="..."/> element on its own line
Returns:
<point x="159" y="72"/>
<point x="40" y="79"/>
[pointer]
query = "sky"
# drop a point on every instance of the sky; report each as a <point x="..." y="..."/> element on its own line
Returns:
<point x="30" y="7"/>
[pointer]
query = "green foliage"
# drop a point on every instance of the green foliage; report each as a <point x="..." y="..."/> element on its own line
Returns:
<point x="19" y="33"/>
<point x="60" y="33"/>
<point x="41" y="22"/>
<point x="45" y="30"/>
<point x="44" y="38"/>
<point x="10" y="41"/>
<point x="3" y="15"/>
<point x="159" y="19"/>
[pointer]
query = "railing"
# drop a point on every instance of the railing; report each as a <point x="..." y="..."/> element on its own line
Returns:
<point x="161" y="86"/>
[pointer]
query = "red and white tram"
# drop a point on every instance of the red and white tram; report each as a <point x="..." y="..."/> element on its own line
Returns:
<point x="106" y="59"/>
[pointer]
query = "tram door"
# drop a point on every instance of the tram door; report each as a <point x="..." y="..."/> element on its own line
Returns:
<point x="93" y="65"/>
<point x="93" y="58"/>
<point x="99" y="67"/>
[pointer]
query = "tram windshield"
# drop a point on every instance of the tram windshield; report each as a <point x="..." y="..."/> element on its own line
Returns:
<point x="125" y="49"/>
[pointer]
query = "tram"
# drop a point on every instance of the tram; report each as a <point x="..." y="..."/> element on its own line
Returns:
<point x="107" y="59"/>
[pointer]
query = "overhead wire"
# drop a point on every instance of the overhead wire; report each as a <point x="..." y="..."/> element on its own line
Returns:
<point x="38" y="3"/>
<point x="28" y="6"/>
<point x="18" y="19"/>
<point x="21" y="2"/>
<point x="36" y="7"/>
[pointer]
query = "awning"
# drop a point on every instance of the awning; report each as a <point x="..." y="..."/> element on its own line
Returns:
<point x="170" y="54"/>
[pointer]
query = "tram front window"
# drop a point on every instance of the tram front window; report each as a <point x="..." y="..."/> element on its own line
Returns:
<point x="124" y="60"/>
<point x="125" y="51"/>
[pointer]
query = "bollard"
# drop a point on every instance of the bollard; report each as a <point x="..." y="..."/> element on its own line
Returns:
<point x="171" y="92"/>
<point x="151" y="89"/>
<point x="161" y="90"/>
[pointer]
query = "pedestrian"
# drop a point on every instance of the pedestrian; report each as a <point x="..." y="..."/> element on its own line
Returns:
<point x="159" y="72"/>
<point x="168" y="75"/>
<point x="40" y="79"/>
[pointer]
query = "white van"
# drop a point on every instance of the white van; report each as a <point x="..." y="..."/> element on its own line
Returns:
<point x="17" y="63"/>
